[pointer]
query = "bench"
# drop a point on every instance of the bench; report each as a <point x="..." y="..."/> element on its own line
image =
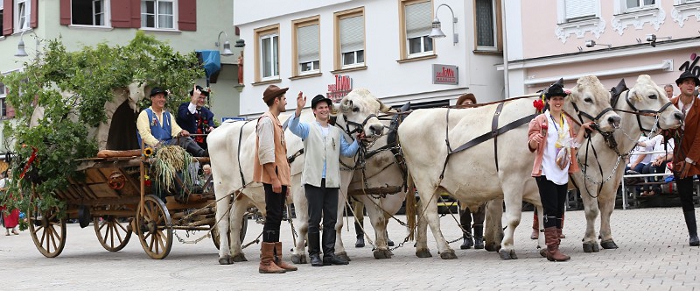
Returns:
<point x="631" y="197"/>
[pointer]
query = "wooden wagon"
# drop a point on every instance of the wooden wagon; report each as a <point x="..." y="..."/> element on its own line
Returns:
<point x="117" y="198"/>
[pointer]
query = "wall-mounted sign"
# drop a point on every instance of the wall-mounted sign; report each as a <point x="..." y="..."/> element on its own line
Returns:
<point x="342" y="86"/>
<point x="223" y="119"/>
<point x="445" y="74"/>
<point x="691" y="65"/>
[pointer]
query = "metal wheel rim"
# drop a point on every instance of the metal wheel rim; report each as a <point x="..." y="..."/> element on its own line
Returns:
<point x="48" y="231"/>
<point x="154" y="228"/>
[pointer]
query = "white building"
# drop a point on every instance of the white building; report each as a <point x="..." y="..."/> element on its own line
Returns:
<point x="381" y="45"/>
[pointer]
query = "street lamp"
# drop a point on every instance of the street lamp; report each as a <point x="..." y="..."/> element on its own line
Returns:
<point x="21" y="52"/>
<point x="227" y="45"/>
<point x="436" y="32"/>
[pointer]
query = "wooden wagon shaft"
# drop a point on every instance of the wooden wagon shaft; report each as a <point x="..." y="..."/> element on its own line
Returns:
<point x="106" y="201"/>
<point x="198" y="222"/>
<point x="376" y="191"/>
<point x="190" y="228"/>
<point x="120" y="213"/>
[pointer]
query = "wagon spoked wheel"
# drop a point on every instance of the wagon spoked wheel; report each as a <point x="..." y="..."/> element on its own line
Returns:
<point x="154" y="227"/>
<point x="215" y="232"/>
<point x="112" y="234"/>
<point x="48" y="231"/>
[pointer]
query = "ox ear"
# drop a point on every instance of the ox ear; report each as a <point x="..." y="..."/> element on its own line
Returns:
<point x="382" y="106"/>
<point x="334" y="109"/>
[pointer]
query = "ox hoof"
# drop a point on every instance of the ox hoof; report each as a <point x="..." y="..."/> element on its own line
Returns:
<point x="239" y="258"/>
<point x="590" y="247"/>
<point x="382" y="254"/>
<point x="507" y="255"/>
<point x="492" y="246"/>
<point x="299" y="259"/>
<point x="608" y="244"/>
<point x="343" y="255"/>
<point x="448" y="255"/>
<point x="423" y="253"/>
<point x="226" y="260"/>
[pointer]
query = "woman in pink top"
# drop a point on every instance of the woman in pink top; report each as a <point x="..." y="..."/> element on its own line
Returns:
<point x="554" y="142"/>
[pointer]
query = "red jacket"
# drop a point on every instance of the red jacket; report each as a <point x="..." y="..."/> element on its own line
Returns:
<point x="535" y="127"/>
<point x="690" y="143"/>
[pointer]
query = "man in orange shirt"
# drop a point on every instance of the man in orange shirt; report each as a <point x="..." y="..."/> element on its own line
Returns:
<point x="272" y="170"/>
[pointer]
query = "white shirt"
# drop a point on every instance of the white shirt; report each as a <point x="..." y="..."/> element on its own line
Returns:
<point x="549" y="164"/>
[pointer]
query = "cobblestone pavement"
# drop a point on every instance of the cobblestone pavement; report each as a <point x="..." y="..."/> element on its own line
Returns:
<point x="653" y="255"/>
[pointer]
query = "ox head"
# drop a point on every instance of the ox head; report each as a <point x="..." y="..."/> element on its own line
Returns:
<point x="647" y="97"/>
<point x="590" y="101"/>
<point x="360" y="108"/>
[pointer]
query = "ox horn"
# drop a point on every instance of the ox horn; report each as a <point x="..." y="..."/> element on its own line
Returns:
<point x="382" y="107"/>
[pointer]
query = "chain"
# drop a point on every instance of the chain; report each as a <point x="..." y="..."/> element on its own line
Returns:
<point x="181" y="240"/>
<point x="612" y="173"/>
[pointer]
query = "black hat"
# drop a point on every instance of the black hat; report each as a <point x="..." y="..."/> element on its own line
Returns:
<point x="555" y="90"/>
<point x="687" y="75"/>
<point x="204" y="92"/>
<point x="157" y="90"/>
<point x="320" y="98"/>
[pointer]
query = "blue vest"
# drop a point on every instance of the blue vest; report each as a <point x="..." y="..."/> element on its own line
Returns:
<point x="161" y="133"/>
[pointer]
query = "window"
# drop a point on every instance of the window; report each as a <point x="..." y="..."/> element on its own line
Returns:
<point x="2" y="12"/>
<point x="158" y="14"/>
<point x="351" y="33"/>
<point x="631" y="4"/>
<point x="22" y="15"/>
<point x="3" y="104"/>
<point x="486" y="32"/>
<point x="418" y="20"/>
<point x="306" y="35"/>
<point x="90" y="12"/>
<point x="579" y="9"/>
<point x="267" y="56"/>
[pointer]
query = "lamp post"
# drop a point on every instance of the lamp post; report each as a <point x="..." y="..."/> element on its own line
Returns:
<point x="436" y="32"/>
<point x="21" y="52"/>
<point x="227" y="45"/>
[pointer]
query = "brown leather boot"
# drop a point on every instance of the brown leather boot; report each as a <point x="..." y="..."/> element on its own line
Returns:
<point x="267" y="263"/>
<point x="535" y="227"/>
<point x="278" y="259"/>
<point x="551" y="236"/>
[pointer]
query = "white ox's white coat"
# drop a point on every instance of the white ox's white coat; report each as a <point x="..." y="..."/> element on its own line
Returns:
<point x="645" y="95"/>
<point x="224" y="154"/>
<point x="471" y="176"/>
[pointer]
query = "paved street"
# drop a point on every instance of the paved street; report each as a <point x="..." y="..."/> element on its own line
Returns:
<point x="653" y="255"/>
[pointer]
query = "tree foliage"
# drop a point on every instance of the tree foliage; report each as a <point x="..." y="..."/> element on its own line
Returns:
<point x="86" y="78"/>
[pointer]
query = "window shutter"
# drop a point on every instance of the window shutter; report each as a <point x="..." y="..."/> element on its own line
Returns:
<point x="308" y="42"/>
<point x="352" y="31"/>
<point x="7" y="20"/>
<point x="33" y="18"/>
<point x="579" y="8"/>
<point x="418" y="22"/>
<point x="121" y="13"/>
<point x="187" y="15"/>
<point x="65" y="12"/>
<point x="135" y="13"/>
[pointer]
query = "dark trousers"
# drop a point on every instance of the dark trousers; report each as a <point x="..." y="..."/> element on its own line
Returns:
<point x="274" y="205"/>
<point x="685" y="191"/>
<point x="323" y="202"/>
<point x="553" y="198"/>
<point x="465" y="218"/>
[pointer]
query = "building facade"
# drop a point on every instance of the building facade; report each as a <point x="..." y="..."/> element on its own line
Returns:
<point x="616" y="39"/>
<point x="187" y="25"/>
<point x="330" y="47"/>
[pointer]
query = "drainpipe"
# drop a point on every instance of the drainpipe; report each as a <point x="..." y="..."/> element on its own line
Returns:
<point x="505" y="49"/>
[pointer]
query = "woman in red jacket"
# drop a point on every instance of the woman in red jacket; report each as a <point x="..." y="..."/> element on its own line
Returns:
<point x="553" y="139"/>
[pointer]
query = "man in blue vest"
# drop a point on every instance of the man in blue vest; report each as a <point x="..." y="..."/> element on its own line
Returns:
<point x="194" y="117"/>
<point x="157" y="127"/>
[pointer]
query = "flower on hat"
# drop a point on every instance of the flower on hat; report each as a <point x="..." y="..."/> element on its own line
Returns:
<point x="567" y="91"/>
<point x="538" y="104"/>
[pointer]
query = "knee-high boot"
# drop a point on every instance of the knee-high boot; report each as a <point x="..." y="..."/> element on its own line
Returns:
<point x="278" y="259"/>
<point x="329" y="257"/>
<point x="692" y="227"/>
<point x="551" y="236"/>
<point x="360" y="243"/>
<point x="535" y="226"/>
<point x="315" y="249"/>
<point x="267" y="263"/>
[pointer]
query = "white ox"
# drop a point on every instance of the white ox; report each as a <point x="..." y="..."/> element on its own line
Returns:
<point x="471" y="176"/>
<point x="228" y="157"/>
<point x="647" y="97"/>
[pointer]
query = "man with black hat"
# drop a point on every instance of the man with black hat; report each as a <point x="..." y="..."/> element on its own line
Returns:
<point x="686" y="154"/>
<point x="323" y="145"/>
<point x="272" y="170"/>
<point x="156" y="126"/>
<point x="194" y="117"/>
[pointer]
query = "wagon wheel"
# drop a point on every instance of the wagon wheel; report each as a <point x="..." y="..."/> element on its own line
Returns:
<point x="48" y="231"/>
<point x="154" y="227"/>
<point x="112" y="234"/>
<point x="215" y="232"/>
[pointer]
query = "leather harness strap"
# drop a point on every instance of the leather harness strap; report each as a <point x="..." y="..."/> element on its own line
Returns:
<point x="494" y="132"/>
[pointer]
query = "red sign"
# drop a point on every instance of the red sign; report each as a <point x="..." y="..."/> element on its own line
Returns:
<point x="341" y="88"/>
<point x="445" y="74"/>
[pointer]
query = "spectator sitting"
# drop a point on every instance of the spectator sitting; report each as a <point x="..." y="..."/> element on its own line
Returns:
<point x="663" y="152"/>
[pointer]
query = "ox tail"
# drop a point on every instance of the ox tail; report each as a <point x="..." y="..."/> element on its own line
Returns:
<point x="411" y="206"/>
